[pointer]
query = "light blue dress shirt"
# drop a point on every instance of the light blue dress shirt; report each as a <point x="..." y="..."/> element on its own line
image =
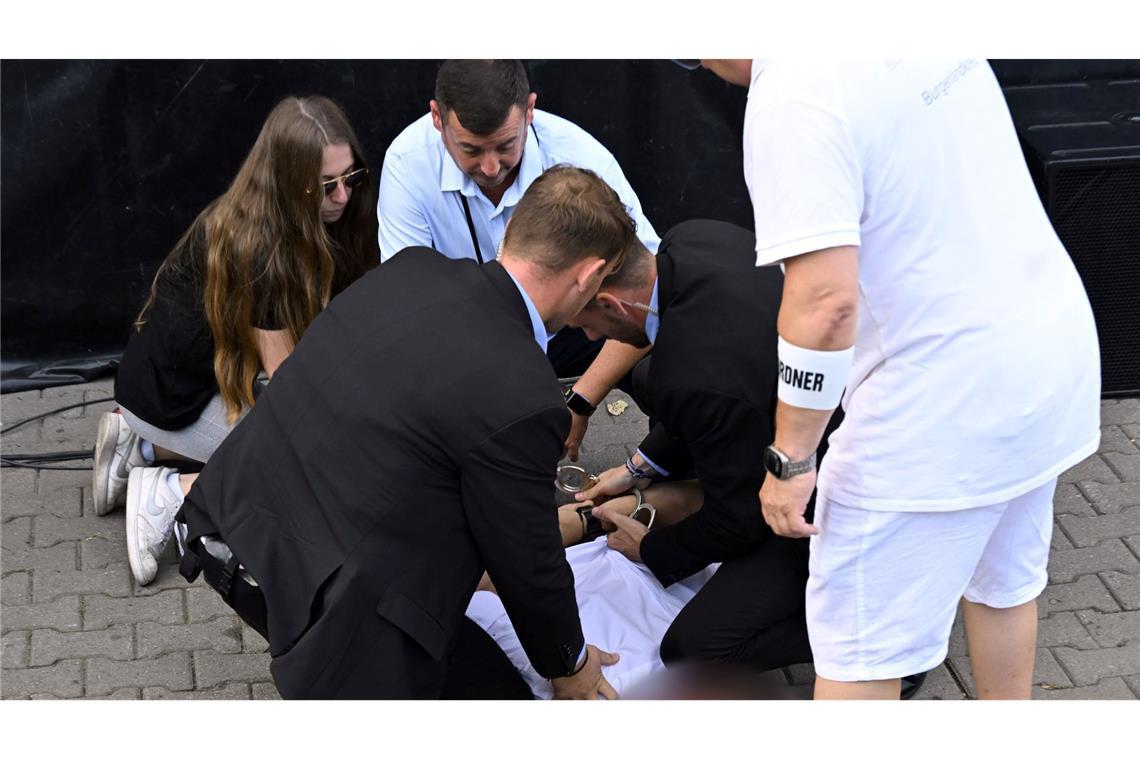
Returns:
<point x="420" y="187"/>
<point x="541" y="336"/>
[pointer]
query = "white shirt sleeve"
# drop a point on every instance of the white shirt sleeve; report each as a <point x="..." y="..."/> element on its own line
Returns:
<point x="804" y="178"/>
<point x="401" y="218"/>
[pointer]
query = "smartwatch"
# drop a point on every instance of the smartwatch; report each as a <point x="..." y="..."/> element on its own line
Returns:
<point x="778" y="463"/>
<point x="578" y="403"/>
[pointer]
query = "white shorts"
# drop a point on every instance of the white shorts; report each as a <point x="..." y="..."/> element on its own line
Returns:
<point x="884" y="587"/>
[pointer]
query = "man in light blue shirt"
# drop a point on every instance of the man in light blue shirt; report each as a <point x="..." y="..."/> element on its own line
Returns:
<point x="452" y="179"/>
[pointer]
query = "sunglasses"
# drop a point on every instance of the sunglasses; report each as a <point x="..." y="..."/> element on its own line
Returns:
<point x="350" y="180"/>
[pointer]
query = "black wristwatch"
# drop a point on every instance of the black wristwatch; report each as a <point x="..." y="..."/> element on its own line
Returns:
<point x="578" y="403"/>
<point x="777" y="463"/>
<point x="591" y="526"/>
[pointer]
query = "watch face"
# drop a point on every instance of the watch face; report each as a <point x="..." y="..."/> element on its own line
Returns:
<point x="772" y="462"/>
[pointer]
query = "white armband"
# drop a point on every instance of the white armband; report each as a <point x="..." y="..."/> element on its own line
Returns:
<point x="812" y="379"/>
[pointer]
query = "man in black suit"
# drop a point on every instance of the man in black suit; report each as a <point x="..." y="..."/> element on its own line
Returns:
<point x="409" y="443"/>
<point x="710" y="315"/>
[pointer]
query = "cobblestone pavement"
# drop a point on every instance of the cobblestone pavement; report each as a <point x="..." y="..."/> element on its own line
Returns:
<point x="75" y="624"/>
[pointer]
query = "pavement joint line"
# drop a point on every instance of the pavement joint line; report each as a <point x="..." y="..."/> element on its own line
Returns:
<point x="1108" y="587"/>
<point x="82" y="674"/>
<point x="1135" y="552"/>
<point x="957" y="679"/>
<point x="1057" y="525"/>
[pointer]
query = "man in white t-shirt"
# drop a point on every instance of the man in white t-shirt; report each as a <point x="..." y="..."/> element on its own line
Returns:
<point x="922" y="275"/>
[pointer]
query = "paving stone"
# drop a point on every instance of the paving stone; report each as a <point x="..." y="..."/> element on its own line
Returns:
<point x="203" y="603"/>
<point x="1125" y="411"/>
<point x="15" y="646"/>
<point x="1088" y="667"/>
<point x="167" y="578"/>
<point x="59" y="557"/>
<point x="1114" y="629"/>
<point x="63" y="501"/>
<point x="49" y="584"/>
<point x="64" y="679"/>
<point x="222" y="635"/>
<point x="1092" y="469"/>
<point x="1059" y="540"/>
<point x="50" y="646"/>
<point x="16" y="589"/>
<point x="61" y="614"/>
<point x="1089" y="531"/>
<point x="1107" y="688"/>
<point x="97" y="553"/>
<point x="229" y="691"/>
<point x="1108" y="499"/>
<point x="1127" y="466"/>
<point x="1064" y="629"/>
<point x="252" y="641"/>
<point x="1066" y="566"/>
<point x="62" y="480"/>
<point x="59" y="433"/>
<point x="1068" y="500"/>
<point x="1133" y="434"/>
<point x="127" y="693"/>
<point x="15" y="486"/>
<point x="264" y="690"/>
<point x="1113" y="438"/>
<point x="1125" y="587"/>
<point x="957" y="644"/>
<point x="103" y="611"/>
<point x="50" y="529"/>
<point x="171" y="671"/>
<point x="940" y="686"/>
<point x="17" y="533"/>
<point x="213" y="669"/>
<point x="1133" y="683"/>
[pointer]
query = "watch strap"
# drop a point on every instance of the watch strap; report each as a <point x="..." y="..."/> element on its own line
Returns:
<point x="578" y="403"/>
<point x="591" y="526"/>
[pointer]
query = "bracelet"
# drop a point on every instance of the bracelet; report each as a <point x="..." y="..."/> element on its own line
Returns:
<point x="637" y="472"/>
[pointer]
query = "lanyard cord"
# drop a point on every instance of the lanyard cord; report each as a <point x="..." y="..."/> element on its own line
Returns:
<point x="467" y="210"/>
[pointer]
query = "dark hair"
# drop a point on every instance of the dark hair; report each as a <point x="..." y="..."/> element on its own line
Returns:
<point x="635" y="271"/>
<point x="567" y="215"/>
<point x="481" y="92"/>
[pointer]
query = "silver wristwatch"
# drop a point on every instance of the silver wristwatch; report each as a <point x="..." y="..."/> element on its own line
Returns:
<point x="778" y="463"/>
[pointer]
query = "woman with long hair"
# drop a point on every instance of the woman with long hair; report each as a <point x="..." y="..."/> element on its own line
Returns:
<point x="296" y="226"/>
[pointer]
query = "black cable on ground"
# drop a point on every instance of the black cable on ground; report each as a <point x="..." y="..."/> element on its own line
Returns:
<point x="34" y="461"/>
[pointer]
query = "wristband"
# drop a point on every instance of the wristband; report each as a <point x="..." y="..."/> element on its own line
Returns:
<point x="637" y="472"/>
<point x="812" y="379"/>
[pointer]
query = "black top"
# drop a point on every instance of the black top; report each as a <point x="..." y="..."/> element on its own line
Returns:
<point x="712" y="381"/>
<point x="409" y="442"/>
<point x="166" y="375"/>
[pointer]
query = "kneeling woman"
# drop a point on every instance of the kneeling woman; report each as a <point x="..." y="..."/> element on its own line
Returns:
<point x="296" y="226"/>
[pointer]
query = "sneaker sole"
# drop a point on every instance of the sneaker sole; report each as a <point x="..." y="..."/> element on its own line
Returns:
<point x="135" y="496"/>
<point x="105" y="442"/>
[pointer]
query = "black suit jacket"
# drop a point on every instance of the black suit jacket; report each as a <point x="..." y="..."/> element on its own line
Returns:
<point x="712" y="386"/>
<point x="408" y="443"/>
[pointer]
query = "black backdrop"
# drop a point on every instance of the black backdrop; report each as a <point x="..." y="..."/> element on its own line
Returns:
<point x="105" y="163"/>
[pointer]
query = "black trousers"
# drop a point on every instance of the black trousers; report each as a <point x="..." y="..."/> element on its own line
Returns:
<point x="751" y="612"/>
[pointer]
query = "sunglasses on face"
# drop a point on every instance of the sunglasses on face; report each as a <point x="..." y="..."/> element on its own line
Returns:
<point x="350" y="180"/>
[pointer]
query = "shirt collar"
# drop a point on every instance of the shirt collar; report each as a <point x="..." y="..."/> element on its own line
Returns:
<point x="452" y="179"/>
<point x="540" y="335"/>
<point x="652" y="320"/>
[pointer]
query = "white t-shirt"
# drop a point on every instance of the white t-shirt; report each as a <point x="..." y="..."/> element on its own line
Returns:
<point x="623" y="609"/>
<point x="976" y="374"/>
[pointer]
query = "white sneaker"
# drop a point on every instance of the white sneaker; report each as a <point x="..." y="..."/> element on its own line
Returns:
<point x="117" y="450"/>
<point x="150" y="519"/>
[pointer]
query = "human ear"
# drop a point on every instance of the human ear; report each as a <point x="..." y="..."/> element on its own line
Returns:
<point x="436" y="117"/>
